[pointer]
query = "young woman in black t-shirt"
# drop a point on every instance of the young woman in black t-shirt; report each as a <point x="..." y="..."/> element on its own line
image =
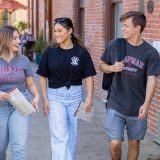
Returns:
<point x="65" y="64"/>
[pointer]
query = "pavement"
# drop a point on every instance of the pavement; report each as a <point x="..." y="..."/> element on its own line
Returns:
<point x="92" y="142"/>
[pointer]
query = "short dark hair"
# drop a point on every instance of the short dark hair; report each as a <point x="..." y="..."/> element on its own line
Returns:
<point x="138" y="18"/>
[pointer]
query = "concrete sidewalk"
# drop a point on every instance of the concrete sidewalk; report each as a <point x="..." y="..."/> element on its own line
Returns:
<point x="92" y="142"/>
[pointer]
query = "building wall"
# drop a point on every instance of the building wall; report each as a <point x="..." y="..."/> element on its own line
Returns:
<point x="20" y="14"/>
<point x="63" y="8"/>
<point x="130" y="5"/>
<point x="41" y="15"/>
<point x="34" y="18"/>
<point x="151" y="34"/>
<point x="17" y="15"/>
<point x="95" y="35"/>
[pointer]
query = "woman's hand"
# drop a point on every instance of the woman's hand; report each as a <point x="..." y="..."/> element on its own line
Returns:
<point x="88" y="104"/>
<point x="35" y="103"/>
<point x="4" y="96"/>
<point x="46" y="107"/>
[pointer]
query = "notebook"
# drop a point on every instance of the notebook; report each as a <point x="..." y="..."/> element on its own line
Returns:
<point x="20" y="102"/>
<point x="82" y="114"/>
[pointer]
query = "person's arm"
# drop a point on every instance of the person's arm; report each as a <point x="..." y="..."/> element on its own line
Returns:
<point x="106" y="65"/>
<point x="89" y="87"/>
<point x="151" y="84"/>
<point x="31" y="86"/>
<point x="106" y="68"/>
<point x="43" y="86"/>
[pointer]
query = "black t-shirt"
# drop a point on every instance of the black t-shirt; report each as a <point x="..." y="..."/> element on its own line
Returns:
<point x="128" y="89"/>
<point x="66" y="67"/>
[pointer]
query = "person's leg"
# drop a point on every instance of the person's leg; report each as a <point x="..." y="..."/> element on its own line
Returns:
<point x="58" y="130"/>
<point x="136" y="129"/>
<point x="133" y="149"/>
<point x="18" y="135"/>
<point x="115" y="149"/>
<point x="72" y="126"/>
<point x="114" y="125"/>
<point x="4" y="115"/>
<point x="59" y="121"/>
<point x="76" y="96"/>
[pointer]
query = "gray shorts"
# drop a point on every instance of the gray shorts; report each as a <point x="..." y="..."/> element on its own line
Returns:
<point x="115" y="124"/>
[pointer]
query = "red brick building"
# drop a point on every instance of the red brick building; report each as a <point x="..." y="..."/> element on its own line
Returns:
<point x="97" y="21"/>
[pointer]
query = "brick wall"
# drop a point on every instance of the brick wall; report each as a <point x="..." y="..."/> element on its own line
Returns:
<point x="63" y="8"/>
<point x="151" y="33"/>
<point x="130" y="5"/>
<point x="41" y="22"/>
<point x="95" y="35"/>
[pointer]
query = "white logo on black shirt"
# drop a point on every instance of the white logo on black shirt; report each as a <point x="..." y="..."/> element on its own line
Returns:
<point x="75" y="61"/>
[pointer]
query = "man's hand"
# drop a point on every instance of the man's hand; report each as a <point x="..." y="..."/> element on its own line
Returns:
<point x="117" y="67"/>
<point x="143" y="111"/>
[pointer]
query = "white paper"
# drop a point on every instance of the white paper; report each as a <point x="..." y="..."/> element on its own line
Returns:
<point x="82" y="114"/>
<point x="20" y="102"/>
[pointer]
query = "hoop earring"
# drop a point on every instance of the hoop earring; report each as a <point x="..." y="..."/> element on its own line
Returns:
<point x="70" y="36"/>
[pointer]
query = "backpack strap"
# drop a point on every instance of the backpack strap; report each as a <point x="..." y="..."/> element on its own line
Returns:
<point x="121" y="48"/>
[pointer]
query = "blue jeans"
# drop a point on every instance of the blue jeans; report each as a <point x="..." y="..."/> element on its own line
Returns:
<point x="13" y="130"/>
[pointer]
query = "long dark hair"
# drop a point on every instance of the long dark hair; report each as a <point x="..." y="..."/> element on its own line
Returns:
<point x="67" y="23"/>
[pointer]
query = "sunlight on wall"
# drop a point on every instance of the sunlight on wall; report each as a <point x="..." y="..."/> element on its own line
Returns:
<point x="20" y="14"/>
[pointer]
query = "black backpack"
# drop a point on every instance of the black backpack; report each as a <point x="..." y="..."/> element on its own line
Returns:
<point x="120" y="51"/>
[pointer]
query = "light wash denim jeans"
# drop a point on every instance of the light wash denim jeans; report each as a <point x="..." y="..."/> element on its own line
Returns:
<point x="13" y="130"/>
<point x="62" y="122"/>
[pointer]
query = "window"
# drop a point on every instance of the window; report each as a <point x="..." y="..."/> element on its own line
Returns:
<point x="49" y="20"/>
<point x="82" y="23"/>
<point x="113" y="13"/>
<point x="118" y="13"/>
<point x="82" y="16"/>
<point x="141" y="5"/>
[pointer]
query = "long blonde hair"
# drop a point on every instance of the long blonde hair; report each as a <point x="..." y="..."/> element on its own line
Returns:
<point x="6" y="38"/>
